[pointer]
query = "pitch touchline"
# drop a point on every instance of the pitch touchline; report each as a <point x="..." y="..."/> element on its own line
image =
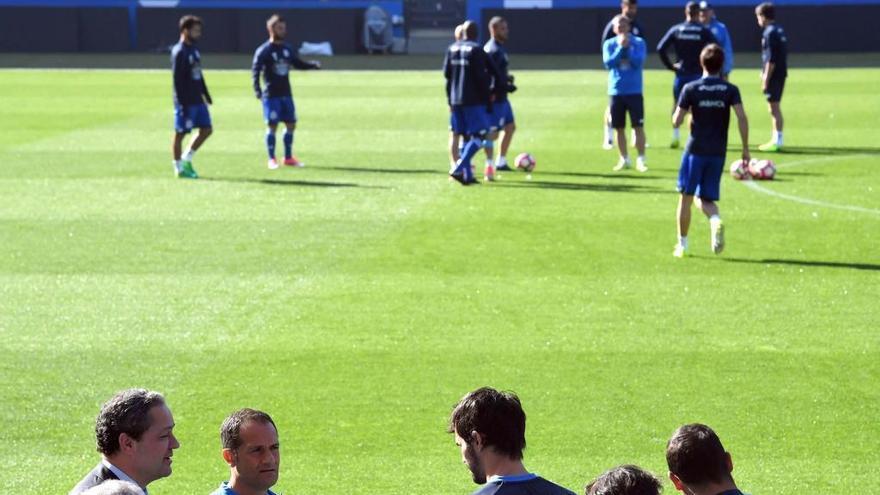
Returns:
<point x="806" y="201"/>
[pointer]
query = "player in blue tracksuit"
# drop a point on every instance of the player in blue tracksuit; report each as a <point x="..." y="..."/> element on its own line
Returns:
<point x="628" y="8"/>
<point x="624" y="56"/>
<point x="501" y="118"/>
<point x="721" y="34"/>
<point x="191" y="97"/>
<point x="774" y="57"/>
<point x="272" y="62"/>
<point x="469" y="73"/>
<point x="709" y="101"/>
<point x="684" y="42"/>
<point x="490" y="430"/>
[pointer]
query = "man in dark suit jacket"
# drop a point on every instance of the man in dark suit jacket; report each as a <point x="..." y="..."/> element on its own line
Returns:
<point x="135" y="438"/>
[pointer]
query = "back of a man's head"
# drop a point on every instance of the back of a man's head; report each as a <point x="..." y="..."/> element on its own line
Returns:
<point x="695" y="455"/>
<point x="625" y="480"/>
<point x="126" y="412"/>
<point x="114" y="487"/>
<point x="497" y="416"/>
<point x="470" y="30"/>
<point x="692" y="9"/>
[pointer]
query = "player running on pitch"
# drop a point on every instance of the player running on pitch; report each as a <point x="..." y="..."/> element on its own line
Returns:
<point x="501" y="118"/>
<point x="628" y="8"/>
<point x="273" y="60"/>
<point x="684" y="42"/>
<point x="709" y="101"/>
<point x="623" y="56"/>
<point x="774" y="55"/>
<point x="191" y="97"/>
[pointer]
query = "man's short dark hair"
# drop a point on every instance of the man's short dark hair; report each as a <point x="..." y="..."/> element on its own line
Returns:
<point x="766" y="10"/>
<point x="188" y="21"/>
<point x="496" y="21"/>
<point x="497" y="416"/>
<point x="625" y="480"/>
<point x="696" y="456"/>
<point x="712" y="58"/>
<point x="692" y="9"/>
<point x="230" y="430"/>
<point x="470" y="30"/>
<point x="629" y="2"/>
<point x="275" y="19"/>
<point x="126" y="412"/>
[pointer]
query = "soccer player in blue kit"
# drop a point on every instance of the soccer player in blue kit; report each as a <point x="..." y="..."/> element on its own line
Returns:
<point x="774" y="56"/>
<point x="685" y="41"/>
<point x="490" y="430"/>
<point x="468" y="72"/>
<point x="272" y="61"/>
<point x="624" y="55"/>
<point x="629" y="9"/>
<point x="709" y="100"/>
<point x="501" y="118"/>
<point x="191" y="97"/>
<point x="721" y="34"/>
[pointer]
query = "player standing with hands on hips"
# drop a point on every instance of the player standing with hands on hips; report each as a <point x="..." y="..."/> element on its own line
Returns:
<point x="709" y="100"/>
<point x="624" y="56"/>
<point x="273" y="60"/>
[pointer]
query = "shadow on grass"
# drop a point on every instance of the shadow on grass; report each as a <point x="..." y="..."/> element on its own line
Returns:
<point x="595" y="175"/>
<point x="294" y="183"/>
<point x="820" y="150"/>
<point x="820" y="264"/>
<point x="428" y="171"/>
<point x="574" y="186"/>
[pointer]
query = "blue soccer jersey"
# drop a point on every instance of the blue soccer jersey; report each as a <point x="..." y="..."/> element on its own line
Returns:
<point x="709" y="100"/>
<point x="189" y="82"/>
<point x="498" y="56"/>
<point x="624" y="65"/>
<point x="722" y="36"/>
<point x="226" y="490"/>
<point x="774" y="49"/>
<point x="527" y="484"/>
<point x="272" y="63"/>
<point x="684" y="42"/>
<point x="469" y="74"/>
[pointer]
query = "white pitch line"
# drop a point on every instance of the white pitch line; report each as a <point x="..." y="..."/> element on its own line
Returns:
<point x="807" y="201"/>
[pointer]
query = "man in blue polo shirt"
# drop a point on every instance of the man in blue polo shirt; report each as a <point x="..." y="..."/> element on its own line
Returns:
<point x="698" y="463"/>
<point x="709" y="100"/>
<point x="624" y="56"/>
<point x="191" y="97"/>
<point x="468" y="72"/>
<point x="252" y="451"/>
<point x="774" y="56"/>
<point x="490" y="428"/>
<point x="272" y="61"/>
<point x="721" y="34"/>
<point x="679" y="51"/>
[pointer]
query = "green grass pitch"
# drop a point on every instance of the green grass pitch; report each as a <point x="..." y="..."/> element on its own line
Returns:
<point x="357" y="299"/>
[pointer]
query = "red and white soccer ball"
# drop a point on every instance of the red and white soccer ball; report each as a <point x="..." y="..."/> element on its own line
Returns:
<point x="739" y="170"/>
<point x="762" y="169"/>
<point x="525" y="162"/>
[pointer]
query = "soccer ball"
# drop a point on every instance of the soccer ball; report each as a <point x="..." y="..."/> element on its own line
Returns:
<point x="525" y="162"/>
<point x="762" y="169"/>
<point x="739" y="170"/>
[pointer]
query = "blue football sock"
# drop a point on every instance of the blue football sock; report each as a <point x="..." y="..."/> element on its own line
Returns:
<point x="270" y="143"/>
<point x="464" y="164"/>
<point x="288" y="144"/>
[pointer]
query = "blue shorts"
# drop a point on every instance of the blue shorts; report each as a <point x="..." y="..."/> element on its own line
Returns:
<point x="774" y="89"/>
<point x="279" y="109"/>
<point x="621" y="104"/>
<point x="502" y="114"/>
<point x="700" y="175"/>
<point x="680" y="81"/>
<point x="469" y="120"/>
<point x="185" y="118"/>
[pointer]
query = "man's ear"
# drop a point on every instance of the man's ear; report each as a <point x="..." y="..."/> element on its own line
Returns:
<point x="126" y="443"/>
<point x="477" y="440"/>
<point x="228" y="456"/>
<point x="676" y="482"/>
<point x="729" y="462"/>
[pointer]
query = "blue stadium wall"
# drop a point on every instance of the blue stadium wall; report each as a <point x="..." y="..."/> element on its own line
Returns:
<point x="540" y="26"/>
